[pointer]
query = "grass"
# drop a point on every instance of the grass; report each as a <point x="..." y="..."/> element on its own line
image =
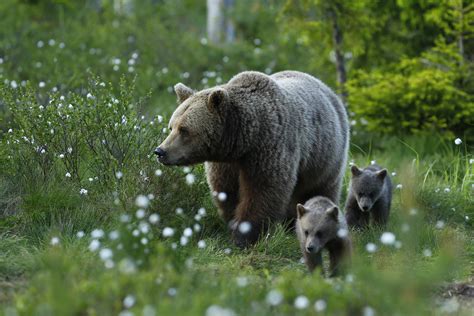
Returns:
<point x="165" y="277"/>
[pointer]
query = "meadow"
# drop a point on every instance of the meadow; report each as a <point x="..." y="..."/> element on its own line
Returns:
<point x="92" y="224"/>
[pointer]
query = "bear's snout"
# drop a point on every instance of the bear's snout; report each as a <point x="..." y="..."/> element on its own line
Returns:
<point x="160" y="152"/>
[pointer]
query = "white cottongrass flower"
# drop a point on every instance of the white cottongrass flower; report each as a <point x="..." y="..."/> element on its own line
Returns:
<point x="201" y="244"/>
<point x="245" y="227"/>
<point x="399" y="186"/>
<point x="125" y="218"/>
<point x="140" y="213"/>
<point x="222" y="196"/>
<point x="114" y="235"/>
<point x="413" y="211"/>
<point x="371" y="247"/>
<point x="179" y="211"/>
<point x="187" y="169"/>
<point x="190" y="178"/>
<point x="11" y="131"/>
<point x="398" y="244"/>
<point x="447" y="190"/>
<point x="188" y="232"/>
<point x="144" y="241"/>
<point x="83" y="192"/>
<point x="90" y="96"/>
<point x="387" y="238"/>
<point x="197" y="227"/>
<point x="94" y="245"/>
<point x="439" y="224"/>
<point x="41" y="84"/>
<point x="202" y="211"/>
<point x="274" y="298"/>
<point x="242" y="281"/>
<point x="458" y="141"/>
<point x="471" y="161"/>
<point x="54" y="241"/>
<point x="97" y="233"/>
<point x="301" y="302"/>
<point x="69" y="150"/>
<point x="466" y="218"/>
<point x="427" y="252"/>
<point x="394" y="174"/>
<point x="372" y="162"/>
<point x="61" y="156"/>
<point x="320" y="305"/>
<point x="151" y="196"/>
<point x="68" y="175"/>
<point x="119" y="174"/>
<point x="142" y="201"/>
<point x="158" y="172"/>
<point x="342" y="232"/>
<point x="105" y="254"/>
<point x="91" y="179"/>
<point x="80" y="234"/>
<point x="168" y="232"/>
<point x="183" y="240"/>
<point x="368" y="311"/>
<point x="154" y="218"/>
<point x="129" y="301"/>
<point x="216" y="310"/>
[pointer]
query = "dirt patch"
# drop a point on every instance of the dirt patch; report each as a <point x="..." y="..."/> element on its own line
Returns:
<point x="457" y="298"/>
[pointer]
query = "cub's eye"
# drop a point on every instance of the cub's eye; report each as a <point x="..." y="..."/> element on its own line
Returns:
<point x="306" y="233"/>
<point x="319" y="234"/>
<point x="183" y="131"/>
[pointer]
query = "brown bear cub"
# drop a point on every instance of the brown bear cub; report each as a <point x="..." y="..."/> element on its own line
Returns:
<point x="321" y="225"/>
<point x="370" y="195"/>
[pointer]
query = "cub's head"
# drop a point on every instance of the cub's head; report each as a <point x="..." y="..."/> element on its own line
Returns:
<point x="196" y="127"/>
<point x="367" y="186"/>
<point x="317" y="228"/>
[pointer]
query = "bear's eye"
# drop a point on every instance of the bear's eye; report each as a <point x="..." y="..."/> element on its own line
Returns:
<point x="306" y="233"/>
<point x="319" y="234"/>
<point x="183" y="131"/>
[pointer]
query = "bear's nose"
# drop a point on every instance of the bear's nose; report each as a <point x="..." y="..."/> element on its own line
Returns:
<point x="365" y="208"/>
<point x="310" y="248"/>
<point x="159" y="152"/>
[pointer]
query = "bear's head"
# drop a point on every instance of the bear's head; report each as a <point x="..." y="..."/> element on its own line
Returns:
<point x="317" y="228"/>
<point x="367" y="186"/>
<point x="196" y="127"/>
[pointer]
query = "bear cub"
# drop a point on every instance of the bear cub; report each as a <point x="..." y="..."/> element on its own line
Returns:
<point x="370" y="195"/>
<point x="321" y="225"/>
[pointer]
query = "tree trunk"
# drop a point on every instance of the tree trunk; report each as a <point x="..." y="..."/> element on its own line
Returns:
<point x="229" y="21"/>
<point x="339" y="54"/>
<point x="215" y="20"/>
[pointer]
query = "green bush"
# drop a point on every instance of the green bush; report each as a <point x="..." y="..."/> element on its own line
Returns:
<point x="416" y="96"/>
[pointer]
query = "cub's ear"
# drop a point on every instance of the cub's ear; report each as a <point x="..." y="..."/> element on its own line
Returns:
<point x="356" y="171"/>
<point x="217" y="98"/>
<point x="382" y="174"/>
<point x="333" y="212"/>
<point x="300" y="210"/>
<point x="182" y="92"/>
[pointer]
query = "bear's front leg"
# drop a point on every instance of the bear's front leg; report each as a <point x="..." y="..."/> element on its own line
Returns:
<point x="224" y="178"/>
<point x="313" y="261"/>
<point x="263" y="199"/>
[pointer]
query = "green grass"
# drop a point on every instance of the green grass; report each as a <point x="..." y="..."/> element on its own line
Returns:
<point x="39" y="278"/>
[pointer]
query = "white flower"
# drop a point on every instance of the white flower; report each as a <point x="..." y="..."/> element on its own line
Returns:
<point x="179" y="211"/>
<point x="320" y="305"/>
<point x="11" y="131"/>
<point x="368" y="311"/>
<point x="154" y="218"/>
<point x="80" y="234"/>
<point x="202" y="211"/>
<point x="427" y="252"/>
<point x="97" y="233"/>
<point x="90" y="96"/>
<point x="222" y="196"/>
<point x="124" y="218"/>
<point x="114" y="235"/>
<point x="68" y="175"/>
<point x="54" y="241"/>
<point x="458" y="141"/>
<point x="158" y="172"/>
<point x="69" y="150"/>
<point x="144" y="241"/>
<point x="43" y="151"/>
<point x="129" y="301"/>
<point x="51" y="42"/>
<point x="188" y="232"/>
<point x="197" y="227"/>
<point x="274" y="298"/>
<point x="119" y="174"/>
<point x="183" y="240"/>
<point x="142" y="201"/>
<point x="371" y="247"/>
<point x="140" y="213"/>
<point x="447" y="190"/>
<point x="190" y="178"/>
<point x="439" y="224"/>
<point x="168" y="232"/>
<point x="105" y="254"/>
<point x="342" y="232"/>
<point x="40" y="44"/>
<point x="242" y="281"/>
<point x="301" y="302"/>
<point x="41" y="84"/>
<point x="245" y="227"/>
<point x="399" y="186"/>
<point x="187" y="169"/>
<point x="394" y="174"/>
<point x="201" y="244"/>
<point x="387" y="238"/>
<point x="405" y="227"/>
<point x="13" y="84"/>
<point x="94" y="245"/>
<point x="91" y="179"/>
<point x="61" y="156"/>
<point x="471" y="161"/>
<point x="372" y="162"/>
<point x="83" y="192"/>
<point x="216" y="310"/>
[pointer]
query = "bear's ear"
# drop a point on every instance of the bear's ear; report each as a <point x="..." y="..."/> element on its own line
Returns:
<point x="216" y="99"/>
<point x="333" y="212"/>
<point x="182" y="92"/>
<point x="355" y="171"/>
<point x="382" y="174"/>
<point x="300" y="210"/>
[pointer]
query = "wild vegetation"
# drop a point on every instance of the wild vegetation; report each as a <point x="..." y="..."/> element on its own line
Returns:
<point x="90" y="223"/>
